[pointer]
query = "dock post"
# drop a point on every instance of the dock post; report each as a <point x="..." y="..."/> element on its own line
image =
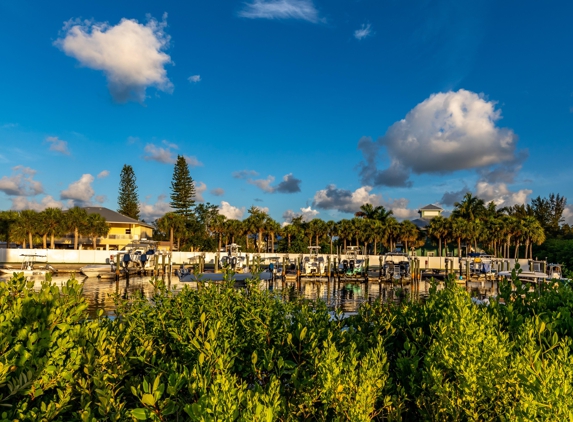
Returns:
<point x="155" y="264"/>
<point x="217" y="263"/>
<point x="117" y="267"/>
<point x="163" y="264"/>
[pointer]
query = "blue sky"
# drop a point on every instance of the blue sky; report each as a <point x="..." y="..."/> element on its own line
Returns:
<point x="298" y="106"/>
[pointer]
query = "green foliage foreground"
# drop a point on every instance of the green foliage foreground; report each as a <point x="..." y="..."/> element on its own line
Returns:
<point x="219" y="353"/>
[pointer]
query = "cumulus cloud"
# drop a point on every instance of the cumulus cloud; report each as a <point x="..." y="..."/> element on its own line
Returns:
<point x="344" y="200"/>
<point x="130" y="54"/>
<point x="445" y="133"/>
<point x="217" y="192"/>
<point x="289" y="184"/>
<point x="451" y="197"/>
<point x="20" y="203"/>
<point x="500" y="194"/>
<point x="100" y="199"/>
<point x="166" y="155"/>
<point x="263" y="184"/>
<point x="281" y="9"/>
<point x="244" y="174"/>
<point x="363" y="32"/>
<point x="151" y="212"/>
<point x="307" y="214"/>
<point x="200" y="188"/>
<point x="568" y="215"/>
<point x="58" y="145"/>
<point x="103" y="174"/>
<point x="194" y="78"/>
<point x="80" y="192"/>
<point x="21" y="182"/>
<point x="231" y="212"/>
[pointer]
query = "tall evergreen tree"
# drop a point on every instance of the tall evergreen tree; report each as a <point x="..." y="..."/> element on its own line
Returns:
<point x="127" y="201"/>
<point x="182" y="188"/>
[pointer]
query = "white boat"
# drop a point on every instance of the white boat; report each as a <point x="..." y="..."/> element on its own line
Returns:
<point x="234" y="260"/>
<point x="135" y="257"/>
<point x="30" y="266"/>
<point x="313" y="265"/>
<point x="352" y="264"/>
<point x="396" y="266"/>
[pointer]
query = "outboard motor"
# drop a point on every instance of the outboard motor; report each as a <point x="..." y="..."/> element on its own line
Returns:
<point x="345" y="265"/>
<point x="351" y="265"/>
<point x="234" y="262"/>
<point x="143" y="260"/>
<point x="224" y="261"/>
<point x="126" y="260"/>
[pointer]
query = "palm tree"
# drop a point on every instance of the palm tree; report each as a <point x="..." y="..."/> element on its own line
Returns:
<point x="271" y="227"/>
<point x="96" y="226"/>
<point x="76" y="219"/>
<point x="408" y="232"/>
<point x="458" y="231"/>
<point x="51" y="224"/>
<point x="474" y="230"/>
<point x="28" y="221"/>
<point x="533" y="233"/>
<point x="234" y="228"/>
<point x="318" y="229"/>
<point x="174" y="224"/>
<point x="438" y="229"/>
<point x="345" y="230"/>
<point x="470" y="207"/>
<point x="391" y="230"/>
<point x="331" y="232"/>
<point x="219" y="225"/>
<point x="291" y="230"/>
<point x="371" y="212"/>
<point x="8" y="220"/>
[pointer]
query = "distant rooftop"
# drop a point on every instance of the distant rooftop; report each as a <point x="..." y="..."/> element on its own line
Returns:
<point x="114" y="217"/>
<point x="432" y="207"/>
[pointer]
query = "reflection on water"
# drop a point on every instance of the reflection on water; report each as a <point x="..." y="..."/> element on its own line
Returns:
<point x="346" y="296"/>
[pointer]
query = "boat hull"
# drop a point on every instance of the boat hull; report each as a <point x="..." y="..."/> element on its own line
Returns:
<point x="220" y="277"/>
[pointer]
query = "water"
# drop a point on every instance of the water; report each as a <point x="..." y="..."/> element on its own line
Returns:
<point x="346" y="296"/>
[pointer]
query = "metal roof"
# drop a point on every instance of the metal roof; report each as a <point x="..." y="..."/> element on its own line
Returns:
<point x="431" y="207"/>
<point x="115" y="217"/>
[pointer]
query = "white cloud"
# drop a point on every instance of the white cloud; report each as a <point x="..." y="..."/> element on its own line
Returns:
<point x="445" y="133"/>
<point x="151" y="212"/>
<point x="231" y="212"/>
<point x="21" y="183"/>
<point x="58" y="145"/>
<point x="192" y="161"/>
<point x="364" y="32"/>
<point x="263" y="184"/>
<point x="281" y="9"/>
<point x="80" y="192"/>
<point x="22" y="203"/>
<point x="130" y="54"/>
<point x="344" y="200"/>
<point x="307" y="214"/>
<point x="166" y="155"/>
<point x="200" y="188"/>
<point x="568" y="215"/>
<point x="500" y="194"/>
<point x="100" y="199"/>
<point x="103" y="174"/>
<point x="217" y="192"/>
<point x="194" y="78"/>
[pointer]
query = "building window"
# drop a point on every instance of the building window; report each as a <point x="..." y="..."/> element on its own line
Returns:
<point x="127" y="231"/>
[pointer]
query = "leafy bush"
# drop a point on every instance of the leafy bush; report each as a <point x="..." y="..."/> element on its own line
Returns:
<point x="219" y="353"/>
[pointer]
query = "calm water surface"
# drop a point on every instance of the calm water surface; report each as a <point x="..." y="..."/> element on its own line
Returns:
<point x="346" y="296"/>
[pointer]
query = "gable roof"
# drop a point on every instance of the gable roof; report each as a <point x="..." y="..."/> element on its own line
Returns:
<point x="432" y="207"/>
<point x="114" y="217"/>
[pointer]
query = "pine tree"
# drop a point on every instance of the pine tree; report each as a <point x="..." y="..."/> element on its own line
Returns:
<point x="182" y="188"/>
<point x="127" y="200"/>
